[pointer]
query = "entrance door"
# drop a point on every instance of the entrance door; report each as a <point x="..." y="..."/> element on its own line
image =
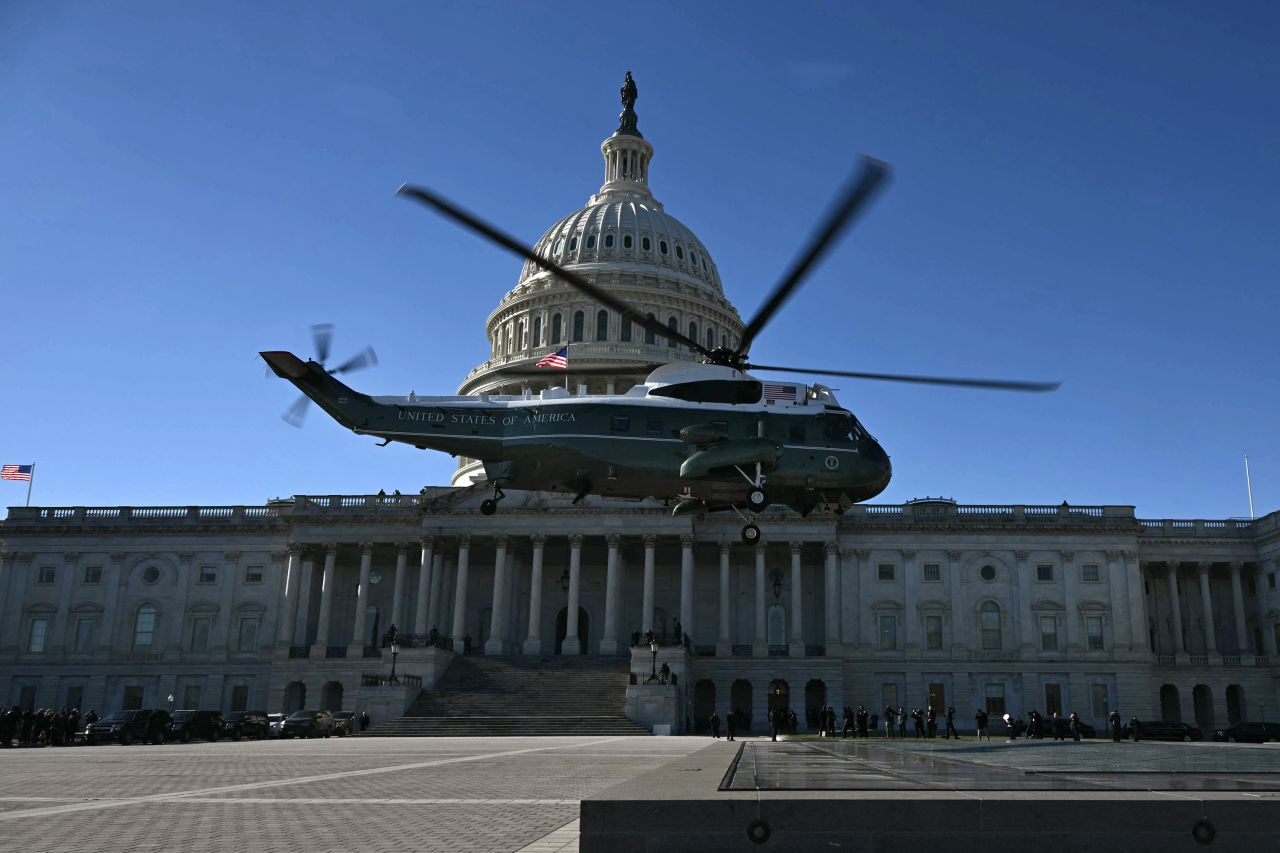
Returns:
<point x="779" y="696"/>
<point x="704" y="702"/>
<point x="562" y="628"/>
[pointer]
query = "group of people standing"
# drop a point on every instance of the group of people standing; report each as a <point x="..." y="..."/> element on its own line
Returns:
<point x="43" y="726"/>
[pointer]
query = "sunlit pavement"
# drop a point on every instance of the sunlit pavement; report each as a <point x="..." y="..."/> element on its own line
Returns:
<point x="363" y="794"/>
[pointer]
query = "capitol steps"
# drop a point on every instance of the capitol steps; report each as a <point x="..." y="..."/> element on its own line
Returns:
<point x="520" y="696"/>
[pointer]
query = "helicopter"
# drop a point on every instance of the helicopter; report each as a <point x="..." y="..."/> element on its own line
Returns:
<point x="707" y="436"/>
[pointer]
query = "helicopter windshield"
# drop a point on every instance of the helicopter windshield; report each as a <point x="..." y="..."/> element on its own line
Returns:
<point x="823" y="394"/>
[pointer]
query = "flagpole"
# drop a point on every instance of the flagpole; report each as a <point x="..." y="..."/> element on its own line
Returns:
<point x="1249" y="484"/>
<point x="30" y="481"/>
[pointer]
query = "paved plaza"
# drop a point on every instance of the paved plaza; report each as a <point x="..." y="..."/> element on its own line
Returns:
<point x="355" y="794"/>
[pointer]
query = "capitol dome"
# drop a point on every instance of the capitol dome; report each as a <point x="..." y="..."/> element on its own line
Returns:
<point x="623" y="241"/>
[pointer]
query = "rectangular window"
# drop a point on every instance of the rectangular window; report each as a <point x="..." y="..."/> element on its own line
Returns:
<point x="884" y="572"/>
<point x="93" y="574"/>
<point x="191" y="697"/>
<point x="85" y="628"/>
<point x="889" y="694"/>
<point x="888" y="632"/>
<point x="248" y="637"/>
<point x="1099" y="701"/>
<point x="937" y="696"/>
<point x="208" y="574"/>
<point x="200" y="634"/>
<point x="995" y="700"/>
<point x="932" y="572"/>
<point x="620" y="423"/>
<point x="75" y="696"/>
<point x="1090" y="573"/>
<point x="1049" y="633"/>
<point x="132" y="698"/>
<point x="46" y="575"/>
<point x="240" y="697"/>
<point x="35" y="640"/>
<point x="933" y="631"/>
<point x="253" y="574"/>
<point x="1052" y="699"/>
<point x="1044" y="572"/>
<point x="1093" y="628"/>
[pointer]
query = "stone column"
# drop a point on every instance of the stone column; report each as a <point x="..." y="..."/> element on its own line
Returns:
<point x="1206" y="607"/>
<point x="496" y="644"/>
<point x="1171" y="577"/>
<point x="612" y="598"/>
<point x="959" y="631"/>
<point x="459" y="623"/>
<point x="686" y="586"/>
<point x="326" y="599"/>
<point x="169" y="634"/>
<point x="862" y="625"/>
<point x="832" y="593"/>
<point x="284" y="635"/>
<point x="796" y="649"/>
<point x="302" y="621"/>
<point x="572" y="645"/>
<point x="229" y="579"/>
<point x="910" y="605"/>
<point x="57" y="640"/>
<point x="436" y="611"/>
<point x="1023" y="622"/>
<point x="1132" y="569"/>
<point x="358" y="636"/>
<point x="1121" y="618"/>
<point x="113" y="577"/>
<point x="760" y="643"/>
<point x="425" y="582"/>
<point x="1074" y="626"/>
<point x="724" y="645"/>
<point x="533" y="642"/>
<point x="646" y="609"/>
<point x="397" y="606"/>
<point x="1237" y="600"/>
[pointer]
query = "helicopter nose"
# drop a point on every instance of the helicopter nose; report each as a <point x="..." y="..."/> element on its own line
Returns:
<point x="883" y="466"/>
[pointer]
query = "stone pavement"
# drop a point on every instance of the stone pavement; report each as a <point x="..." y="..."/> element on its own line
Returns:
<point x="361" y="794"/>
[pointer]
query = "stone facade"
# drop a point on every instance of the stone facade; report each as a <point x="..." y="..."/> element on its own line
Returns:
<point x="1008" y="607"/>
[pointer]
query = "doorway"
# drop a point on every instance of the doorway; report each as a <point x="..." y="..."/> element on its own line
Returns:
<point x="704" y="703"/>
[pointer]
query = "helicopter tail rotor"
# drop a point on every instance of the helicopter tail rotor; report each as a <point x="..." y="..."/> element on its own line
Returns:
<point x="292" y="368"/>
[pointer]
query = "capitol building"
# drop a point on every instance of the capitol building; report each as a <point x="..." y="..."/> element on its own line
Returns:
<point x="1007" y="607"/>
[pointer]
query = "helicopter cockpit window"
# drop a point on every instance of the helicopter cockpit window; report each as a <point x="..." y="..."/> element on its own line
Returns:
<point x="838" y="428"/>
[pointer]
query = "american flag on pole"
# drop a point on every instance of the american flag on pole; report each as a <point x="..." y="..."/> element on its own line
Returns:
<point x="559" y="358"/>
<point x="16" y="472"/>
<point x="779" y="392"/>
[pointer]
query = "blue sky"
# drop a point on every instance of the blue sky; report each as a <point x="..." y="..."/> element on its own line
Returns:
<point x="1084" y="192"/>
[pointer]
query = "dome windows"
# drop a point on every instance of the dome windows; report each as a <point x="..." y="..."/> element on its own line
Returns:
<point x="662" y="246"/>
<point x="558" y="247"/>
<point x="646" y="244"/>
<point x="579" y="321"/>
<point x="602" y="325"/>
<point x="626" y="241"/>
<point x="591" y="241"/>
<point x="693" y="332"/>
<point x="649" y="336"/>
<point x="680" y="251"/>
<point x="693" y="256"/>
<point x="608" y="241"/>
<point x="557" y="327"/>
<point x="625" y="330"/>
<point x="573" y="243"/>
<point x="674" y="325"/>
<point x="711" y="338"/>
<point x="537" y="331"/>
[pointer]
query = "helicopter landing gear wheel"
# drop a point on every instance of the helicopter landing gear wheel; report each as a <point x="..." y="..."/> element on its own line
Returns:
<point x="750" y="534"/>
<point x="757" y="499"/>
<point x="488" y="507"/>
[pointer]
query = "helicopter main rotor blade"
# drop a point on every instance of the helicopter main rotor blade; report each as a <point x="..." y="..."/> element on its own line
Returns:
<point x="998" y="384"/>
<point x="296" y="413"/>
<point x="322" y="337"/>
<point x="367" y="358"/>
<point x="859" y="192"/>
<point x="573" y="279"/>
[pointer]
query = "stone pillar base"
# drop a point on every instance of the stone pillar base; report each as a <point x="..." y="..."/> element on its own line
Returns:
<point x="571" y="646"/>
<point x="608" y="646"/>
<point x="495" y="646"/>
<point x="533" y="647"/>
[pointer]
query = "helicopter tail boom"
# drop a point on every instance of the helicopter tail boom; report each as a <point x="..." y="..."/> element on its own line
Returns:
<point x="318" y="384"/>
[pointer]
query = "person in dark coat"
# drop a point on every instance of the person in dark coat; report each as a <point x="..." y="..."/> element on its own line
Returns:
<point x="888" y="721"/>
<point x="793" y="722"/>
<point x="951" y="725"/>
<point x="774" y="722"/>
<point x="715" y="724"/>
<point x="1113" y="721"/>
<point x="1135" y="726"/>
<point x="982" y="719"/>
<point x="862" y="721"/>
<point x="364" y="720"/>
<point x="1073" y="722"/>
<point x="902" y="721"/>
<point x="732" y="720"/>
<point x="931" y="722"/>
<point x="917" y="717"/>
<point x="1057" y="730"/>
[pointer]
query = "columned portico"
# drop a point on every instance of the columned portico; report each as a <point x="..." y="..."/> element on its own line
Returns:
<point x="397" y="601"/>
<point x="425" y="580"/>
<point x="306" y="580"/>
<point x="459" y="624"/>
<point x="612" y="597"/>
<point x="358" y="637"/>
<point x="533" y="642"/>
<point x="832" y="593"/>
<point x="572" y="645"/>
<point x="795" y="648"/>
<point x="723" y="643"/>
<point x="1175" y="608"/>
<point x="293" y="572"/>
<point x="686" y="586"/>
<point x="326" y="600"/>
<point x="497" y="642"/>
<point x="1206" y="609"/>
<point x="1237" y="602"/>
<point x="646" y="609"/>
<point x="760" y="642"/>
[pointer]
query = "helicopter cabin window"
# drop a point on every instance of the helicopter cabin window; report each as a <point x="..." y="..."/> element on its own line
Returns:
<point x="624" y="332"/>
<point x="620" y="423"/>
<point x="556" y="329"/>
<point x="591" y="241"/>
<point x="674" y="325"/>
<point x="646" y="244"/>
<point x="662" y="246"/>
<point x="602" y="325"/>
<point x="680" y="252"/>
<point x="837" y="428"/>
<point x="653" y="427"/>
<point x="649" y="337"/>
<point x="693" y="332"/>
<point x="608" y="241"/>
<point x="626" y="241"/>
<point x="579" y="320"/>
<point x="537" y="331"/>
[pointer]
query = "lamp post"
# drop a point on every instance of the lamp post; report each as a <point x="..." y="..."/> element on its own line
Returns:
<point x="653" y="647"/>
<point x="395" y="653"/>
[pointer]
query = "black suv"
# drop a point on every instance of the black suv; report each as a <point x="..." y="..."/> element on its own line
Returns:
<point x="206" y="725"/>
<point x="1249" y="733"/>
<point x="344" y="723"/>
<point x="1062" y="728"/>
<point x="308" y="724"/>
<point x="1165" y="730"/>
<point x="124" y="727"/>
<point x="246" y="724"/>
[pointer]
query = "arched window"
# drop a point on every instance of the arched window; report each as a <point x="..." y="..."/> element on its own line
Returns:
<point x="680" y="251"/>
<point x="144" y="627"/>
<point x="608" y="241"/>
<point x="556" y="329"/>
<point x="626" y="241"/>
<point x="645" y="244"/>
<point x="524" y="334"/>
<point x="693" y="256"/>
<point x="602" y="325"/>
<point x="558" y="247"/>
<point x="662" y="246"/>
<point x="989" y="614"/>
<point x="573" y="242"/>
<point x="711" y="338"/>
<point x="693" y="331"/>
<point x="649" y="336"/>
<point x="579" y="320"/>
<point x="537" y="331"/>
<point x="591" y="241"/>
<point x="674" y="325"/>
<point x="625" y="332"/>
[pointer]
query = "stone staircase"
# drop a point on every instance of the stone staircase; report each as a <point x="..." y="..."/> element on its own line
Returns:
<point x="490" y="696"/>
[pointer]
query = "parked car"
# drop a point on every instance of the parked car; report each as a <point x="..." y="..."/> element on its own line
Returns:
<point x="1062" y="728"/>
<point x="1165" y="730"/>
<point x="124" y="727"/>
<point x="252" y="724"/>
<point x="205" y="725"/>
<point x="344" y="723"/>
<point x="308" y="724"/>
<point x="275" y="722"/>
<point x="1249" y="733"/>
